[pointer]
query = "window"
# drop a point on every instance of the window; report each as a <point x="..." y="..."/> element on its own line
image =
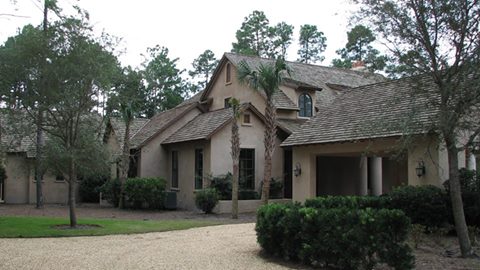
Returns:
<point x="246" y="119"/>
<point x="174" y="169"/>
<point x="228" y="74"/>
<point x="198" y="168"/>
<point x="227" y="103"/>
<point x="247" y="169"/>
<point x="305" y="105"/>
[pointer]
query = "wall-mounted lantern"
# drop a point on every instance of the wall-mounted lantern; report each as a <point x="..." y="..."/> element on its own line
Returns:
<point x="298" y="170"/>
<point x="420" y="169"/>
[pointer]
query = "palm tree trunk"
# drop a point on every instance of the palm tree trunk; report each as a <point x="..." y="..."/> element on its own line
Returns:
<point x="235" y="140"/>
<point x="270" y="135"/>
<point x="457" y="204"/>
<point x="124" y="163"/>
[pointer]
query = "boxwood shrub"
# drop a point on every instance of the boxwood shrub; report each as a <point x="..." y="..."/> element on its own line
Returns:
<point x="340" y="237"/>
<point x="426" y="205"/>
<point x="206" y="199"/>
<point x="360" y="202"/>
<point x="145" y="192"/>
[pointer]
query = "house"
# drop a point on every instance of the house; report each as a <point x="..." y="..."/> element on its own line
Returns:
<point x="18" y="142"/>
<point x="187" y="144"/>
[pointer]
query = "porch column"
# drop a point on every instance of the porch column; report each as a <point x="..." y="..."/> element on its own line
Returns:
<point x="363" y="185"/>
<point x="471" y="162"/>
<point x="376" y="177"/>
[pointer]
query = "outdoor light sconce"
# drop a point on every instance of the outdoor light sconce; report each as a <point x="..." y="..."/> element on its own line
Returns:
<point x="298" y="170"/>
<point x="420" y="169"/>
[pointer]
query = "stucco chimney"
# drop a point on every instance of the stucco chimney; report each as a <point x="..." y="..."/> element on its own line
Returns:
<point x="359" y="66"/>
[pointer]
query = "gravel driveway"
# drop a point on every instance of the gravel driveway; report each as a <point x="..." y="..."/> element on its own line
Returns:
<point x="218" y="247"/>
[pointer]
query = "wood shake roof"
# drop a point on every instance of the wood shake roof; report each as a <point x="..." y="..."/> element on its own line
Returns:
<point x="201" y="127"/>
<point x="158" y="123"/>
<point x="118" y="126"/>
<point x="378" y="110"/>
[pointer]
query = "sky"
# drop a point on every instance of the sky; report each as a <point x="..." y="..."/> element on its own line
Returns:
<point x="189" y="27"/>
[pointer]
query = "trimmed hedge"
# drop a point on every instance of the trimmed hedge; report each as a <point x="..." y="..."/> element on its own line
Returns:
<point x="360" y="202"/>
<point x="89" y="188"/>
<point x="206" y="199"/>
<point x="342" y="237"/>
<point x="145" y="192"/>
<point x="111" y="191"/>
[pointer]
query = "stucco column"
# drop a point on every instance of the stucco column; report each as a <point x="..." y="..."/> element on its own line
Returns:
<point x="363" y="185"/>
<point x="376" y="175"/>
<point x="471" y="162"/>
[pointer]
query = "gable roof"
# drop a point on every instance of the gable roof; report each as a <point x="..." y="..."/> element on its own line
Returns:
<point x="205" y="125"/>
<point x="158" y="123"/>
<point x="328" y="79"/>
<point x="379" y="110"/>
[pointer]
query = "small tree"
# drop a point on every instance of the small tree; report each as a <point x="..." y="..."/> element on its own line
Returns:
<point x="439" y="39"/>
<point x="312" y="44"/>
<point x="203" y="68"/>
<point x="359" y="48"/>
<point x="267" y="78"/>
<point x="235" y="140"/>
<point x="126" y="100"/>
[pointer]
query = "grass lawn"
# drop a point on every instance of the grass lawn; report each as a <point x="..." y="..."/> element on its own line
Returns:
<point x="45" y="226"/>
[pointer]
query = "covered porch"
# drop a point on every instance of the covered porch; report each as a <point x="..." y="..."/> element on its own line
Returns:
<point x="368" y="167"/>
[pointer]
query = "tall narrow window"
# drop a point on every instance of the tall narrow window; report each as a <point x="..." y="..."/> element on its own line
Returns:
<point x="228" y="73"/>
<point x="305" y="105"/>
<point x="247" y="169"/>
<point x="174" y="169"/>
<point x="198" y="168"/>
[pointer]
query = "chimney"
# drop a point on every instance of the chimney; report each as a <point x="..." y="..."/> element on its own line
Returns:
<point x="359" y="66"/>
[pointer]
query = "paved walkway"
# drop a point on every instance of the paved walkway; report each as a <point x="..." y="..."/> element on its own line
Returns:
<point x="218" y="247"/>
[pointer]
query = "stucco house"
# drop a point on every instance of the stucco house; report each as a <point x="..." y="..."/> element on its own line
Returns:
<point x="186" y="144"/>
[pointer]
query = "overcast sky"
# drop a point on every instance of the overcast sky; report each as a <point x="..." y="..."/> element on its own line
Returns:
<point x="189" y="27"/>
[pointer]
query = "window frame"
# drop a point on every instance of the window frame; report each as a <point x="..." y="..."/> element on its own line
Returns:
<point x="250" y="185"/>
<point x="228" y="74"/>
<point x="302" y="105"/>
<point x="198" y="169"/>
<point x="174" y="178"/>
<point x="247" y="116"/>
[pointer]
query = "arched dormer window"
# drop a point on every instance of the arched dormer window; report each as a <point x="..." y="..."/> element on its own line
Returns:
<point x="305" y="105"/>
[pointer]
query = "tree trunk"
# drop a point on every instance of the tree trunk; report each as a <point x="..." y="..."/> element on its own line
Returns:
<point x="39" y="159"/>
<point x="235" y="158"/>
<point x="71" y="193"/>
<point x="124" y="163"/>
<point x="235" y="190"/>
<point x="457" y="204"/>
<point x="270" y="135"/>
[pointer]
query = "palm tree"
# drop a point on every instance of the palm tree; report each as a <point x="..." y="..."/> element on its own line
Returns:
<point x="235" y="140"/>
<point x="266" y="78"/>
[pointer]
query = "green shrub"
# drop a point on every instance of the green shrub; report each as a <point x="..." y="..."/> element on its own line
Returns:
<point x="354" y="202"/>
<point x="223" y="185"/>
<point x="111" y="191"/>
<point x="148" y="192"/>
<point x="471" y="207"/>
<point x="425" y="205"/>
<point x="206" y="199"/>
<point x="244" y="194"/>
<point x="89" y="188"/>
<point x="340" y="237"/>
<point x="469" y="181"/>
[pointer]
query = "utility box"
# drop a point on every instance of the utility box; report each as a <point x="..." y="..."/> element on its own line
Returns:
<point x="170" y="200"/>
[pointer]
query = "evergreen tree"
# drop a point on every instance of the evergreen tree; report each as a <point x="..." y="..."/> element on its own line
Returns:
<point x="312" y="44"/>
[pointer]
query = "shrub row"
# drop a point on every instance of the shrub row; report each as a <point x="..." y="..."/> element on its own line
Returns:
<point x="223" y="184"/>
<point x="341" y="237"/>
<point x="145" y="192"/>
<point x="139" y="192"/>
<point x="429" y="206"/>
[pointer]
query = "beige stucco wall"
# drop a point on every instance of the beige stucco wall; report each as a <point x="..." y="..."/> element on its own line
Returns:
<point x="434" y="155"/>
<point x="20" y="185"/>
<point x="186" y="170"/>
<point x="221" y="90"/>
<point x="251" y="136"/>
<point x="153" y="157"/>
